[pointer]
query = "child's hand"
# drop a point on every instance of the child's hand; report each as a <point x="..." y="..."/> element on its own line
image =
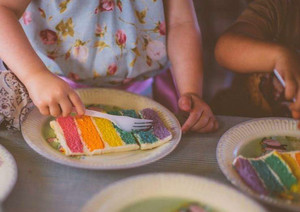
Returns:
<point x="201" y="118"/>
<point x="52" y="95"/>
<point x="288" y="66"/>
<point x="296" y="114"/>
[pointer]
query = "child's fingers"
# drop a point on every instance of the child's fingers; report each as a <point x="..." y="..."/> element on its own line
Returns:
<point x="297" y="103"/>
<point x="191" y="121"/>
<point x="54" y="109"/>
<point x="185" y="103"/>
<point x="44" y="110"/>
<point x="216" y="125"/>
<point x="295" y="114"/>
<point x="295" y="106"/>
<point x="201" y="123"/>
<point x="209" y="126"/>
<point x="66" y="106"/>
<point x="77" y="103"/>
<point x="290" y="88"/>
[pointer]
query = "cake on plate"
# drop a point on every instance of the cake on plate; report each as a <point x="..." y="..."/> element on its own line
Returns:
<point x="275" y="174"/>
<point x="90" y="136"/>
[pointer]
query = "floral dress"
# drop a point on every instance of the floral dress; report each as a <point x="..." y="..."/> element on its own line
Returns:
<point x="97" y="43"/>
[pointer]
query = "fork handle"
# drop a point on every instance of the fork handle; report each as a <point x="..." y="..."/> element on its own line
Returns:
<point x="98" y="114"/>
<point x="281" y="80"/>
<point x="279" y="77"/>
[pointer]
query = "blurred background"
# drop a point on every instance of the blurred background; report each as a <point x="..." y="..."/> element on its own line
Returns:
<point x="214" y="17"/>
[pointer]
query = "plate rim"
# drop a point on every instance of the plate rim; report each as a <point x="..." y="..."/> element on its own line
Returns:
<point x="9" y="158"/>
<point x="112" y="186"/>
<point x="114" y="167"/>
<point x="245" y="189"/>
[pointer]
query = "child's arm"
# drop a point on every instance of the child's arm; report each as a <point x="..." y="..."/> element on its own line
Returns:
<point x="185" y="53"/>
<point x="246" y="49"/>
<point x="48" y="92"/>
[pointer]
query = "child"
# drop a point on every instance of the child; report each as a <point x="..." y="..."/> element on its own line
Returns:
<point x="99" y="43"/>
<point x="265" y="37"/>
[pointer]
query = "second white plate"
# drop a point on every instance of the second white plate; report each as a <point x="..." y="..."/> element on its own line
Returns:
<point x="243" y="139"/>
<point x="8" y="173"/>
<point x="159" y="189"/>
<point x="35" y="124"/>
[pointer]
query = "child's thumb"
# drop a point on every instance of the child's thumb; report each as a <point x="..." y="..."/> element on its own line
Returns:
<point x="185" y="103"/>
<point x="296" y="114"/>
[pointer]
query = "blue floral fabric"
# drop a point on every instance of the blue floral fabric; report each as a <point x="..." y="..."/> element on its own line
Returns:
<point x="99" y="43"/>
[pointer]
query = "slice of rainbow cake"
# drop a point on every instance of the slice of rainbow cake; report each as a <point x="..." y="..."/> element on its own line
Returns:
<point x="89" y="135"/>
<point x="275" y="174"/>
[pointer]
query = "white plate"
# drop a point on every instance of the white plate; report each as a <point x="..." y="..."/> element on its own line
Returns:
<point x="232" y="143"/>
<point x="33" y="126"/>
<point x="8" y="173"/>
<point x="167" y="185"/>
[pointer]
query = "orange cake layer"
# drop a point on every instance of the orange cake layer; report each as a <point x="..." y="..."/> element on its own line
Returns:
<point x="297" y="156"/>
<point x="89" y="133"/>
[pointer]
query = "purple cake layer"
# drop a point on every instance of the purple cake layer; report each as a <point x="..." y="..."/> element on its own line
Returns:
<point x="248" y="174"/>
<point x="159" y="129"/>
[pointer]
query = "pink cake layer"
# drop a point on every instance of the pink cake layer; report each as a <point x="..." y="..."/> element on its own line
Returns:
<point x="71" y="134"/>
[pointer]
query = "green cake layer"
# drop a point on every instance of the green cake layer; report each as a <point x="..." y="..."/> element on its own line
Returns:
<point x="281" y="168"/>
<point x="273" y="185"/>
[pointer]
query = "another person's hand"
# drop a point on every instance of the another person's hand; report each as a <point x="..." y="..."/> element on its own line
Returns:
<point x="201" y="118"/>
<point x="52" y="95"/>
<point x="296" y="115"/>
<point x="288" y="66"/>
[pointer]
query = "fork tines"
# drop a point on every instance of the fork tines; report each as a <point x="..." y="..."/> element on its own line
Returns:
<point x="143" y="125"/>
<point x="144" y="121"/>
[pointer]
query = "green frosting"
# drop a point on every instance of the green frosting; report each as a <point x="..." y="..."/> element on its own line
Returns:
<point x="277" y="165"/>
<point x="267" y="176"/>
<point x="130" y="113"/>
<point x="127" y="137"/>
<point x="115" y="112"/>
<point x="146" y="137"/>
<point x="143" y="137"/>
<point x="103" y="107"/>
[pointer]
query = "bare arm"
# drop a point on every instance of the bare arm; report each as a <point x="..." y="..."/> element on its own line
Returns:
<point x="48" y="92"/>
<point x="184" y="46"/>
<point x="185" y="53"/>
<point x="245" y="49"/>
<point x="17" y="47"/>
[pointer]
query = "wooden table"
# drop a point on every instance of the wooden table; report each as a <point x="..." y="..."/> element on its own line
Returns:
<point x="43" y="185"/>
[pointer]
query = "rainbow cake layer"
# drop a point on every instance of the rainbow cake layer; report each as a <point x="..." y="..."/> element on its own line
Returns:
<point x="89" y="135"/>
<point x="275" y="174"/>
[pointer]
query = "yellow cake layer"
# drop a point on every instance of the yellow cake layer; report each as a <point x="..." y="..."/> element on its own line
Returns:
<point x="108" y="132"/>
<point x="292" y="163"/>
